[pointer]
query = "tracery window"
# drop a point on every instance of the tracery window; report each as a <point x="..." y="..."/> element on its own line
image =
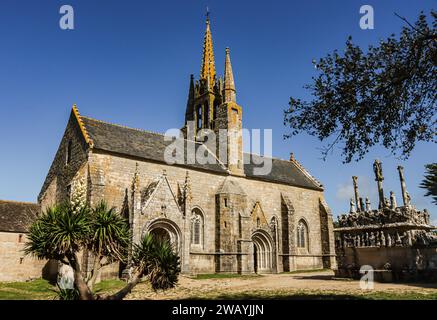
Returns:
<point x="199" y="117"/>
<point x="302" y="234"/>
<point x="196" y="227"/>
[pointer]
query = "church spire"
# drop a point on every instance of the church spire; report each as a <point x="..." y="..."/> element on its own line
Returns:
<point x="229" y="85"/>
<point x="208" y="65"/>
<point x="190" y="102"/>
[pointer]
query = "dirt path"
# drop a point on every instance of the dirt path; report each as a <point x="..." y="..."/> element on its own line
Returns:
<point x="323" y="281"/>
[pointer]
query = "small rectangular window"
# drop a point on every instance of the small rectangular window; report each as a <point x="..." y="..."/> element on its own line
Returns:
<point x="68" y="152"/>
<point x="20" y="238"/>
<point x="226" y="202"/>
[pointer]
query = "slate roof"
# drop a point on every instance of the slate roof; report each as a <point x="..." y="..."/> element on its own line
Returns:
<point x="17" y="216"/>
<point x="149" y="145"/>
<point x="134" y="142"/>
<point x="283" y="171"/>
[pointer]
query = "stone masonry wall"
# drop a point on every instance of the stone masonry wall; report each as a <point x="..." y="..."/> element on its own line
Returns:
<point x="112" y="175"/>
<point x="61" y="174"/>
<point x="15" y="265"/>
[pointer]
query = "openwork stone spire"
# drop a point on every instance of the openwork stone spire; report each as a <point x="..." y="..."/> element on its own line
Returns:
<point x="229" y="85"/>
<point x="207" y="71"/>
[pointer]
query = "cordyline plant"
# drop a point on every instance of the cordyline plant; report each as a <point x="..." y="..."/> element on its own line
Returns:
<point x="63" y="231"/>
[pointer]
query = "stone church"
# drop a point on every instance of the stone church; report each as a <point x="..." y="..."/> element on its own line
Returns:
<point x="220" y="217"/>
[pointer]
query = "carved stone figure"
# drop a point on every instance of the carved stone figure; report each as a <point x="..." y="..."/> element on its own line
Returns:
<point x="409" y="239"/>
<point x="366" y="239"/>
<point x="378" y="239"/>
<point x="393" y="203"/>
<point x="377" y="168"/>
<point x="389" y="240"/>
<point x="386" y="203"/>
<point x="372" y="239"/>
<point x="352" y="206"/>
<point x="368" y="208"/>
<point x="383" y="243"/>
<point x="398" y="239"/>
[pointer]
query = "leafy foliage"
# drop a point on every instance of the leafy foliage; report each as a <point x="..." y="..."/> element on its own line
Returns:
<point x="430" y="181"/>
<point x="60" y="231"/>
<point x="158" y="261"/>
<point x="109" y="233"/>
<point x="63" y="231"/>
<point x="386" y="95"/>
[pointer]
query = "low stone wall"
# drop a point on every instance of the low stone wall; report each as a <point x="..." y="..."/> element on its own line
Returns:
<point x="16" y="266"/>
<point x="389" y="263"/>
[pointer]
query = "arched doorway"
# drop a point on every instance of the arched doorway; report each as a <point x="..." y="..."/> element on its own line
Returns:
<point x="161" y="234"/>
<point x="262" y="252"/>
<point x="167" y="230"/>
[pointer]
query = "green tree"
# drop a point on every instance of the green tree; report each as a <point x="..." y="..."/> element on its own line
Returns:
<point x="63" y="231"/>
<point x="385" y="95"/>
<point x="430" y="181"/>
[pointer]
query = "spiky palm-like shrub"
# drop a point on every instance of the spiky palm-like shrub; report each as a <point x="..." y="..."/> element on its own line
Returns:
<point x="430" y="181"/>
<point x="62" y="231"/>
<point x="159" y="261"/>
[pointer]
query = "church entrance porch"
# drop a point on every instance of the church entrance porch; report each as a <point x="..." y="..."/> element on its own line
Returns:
<point x="166" y="230"/>
<point x="161" y="234"/>
<point x="262" y="252"/>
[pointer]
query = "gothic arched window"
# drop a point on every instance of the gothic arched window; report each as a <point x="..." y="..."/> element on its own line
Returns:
<point x="215" y="112"/>
<point x="206" y="124"/>
<point x="196" y="227"/>
<point x="199" y="117"/>
<point x="302" y="234"/>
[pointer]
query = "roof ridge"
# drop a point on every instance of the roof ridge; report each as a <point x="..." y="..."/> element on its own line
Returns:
<point x="88" y="140"/>
<point x="123" y="126"/>
<point x="139" y="130"/>
<point x="305" y="171"/>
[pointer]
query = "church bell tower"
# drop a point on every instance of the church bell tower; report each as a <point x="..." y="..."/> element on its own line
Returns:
<point x="212" y="106"/>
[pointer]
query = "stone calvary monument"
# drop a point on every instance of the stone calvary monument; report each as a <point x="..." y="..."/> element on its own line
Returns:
<point x="398" y="242"/>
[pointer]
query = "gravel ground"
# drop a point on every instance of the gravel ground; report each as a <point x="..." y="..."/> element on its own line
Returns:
<point x="322" y="282"/>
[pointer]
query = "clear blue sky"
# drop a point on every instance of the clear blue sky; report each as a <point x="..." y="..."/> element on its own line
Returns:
<point x="129" y="62"/>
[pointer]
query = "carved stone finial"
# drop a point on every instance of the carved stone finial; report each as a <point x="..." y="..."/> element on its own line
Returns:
<point x="136" y="179"/>
<point x="187" y="187"/>
<point x="291" y="156"/>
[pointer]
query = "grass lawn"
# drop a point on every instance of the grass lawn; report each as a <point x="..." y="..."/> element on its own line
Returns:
<point x="43" y="290"/>
<point x="317" y="295"/>
<point x="31" y="290"/>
